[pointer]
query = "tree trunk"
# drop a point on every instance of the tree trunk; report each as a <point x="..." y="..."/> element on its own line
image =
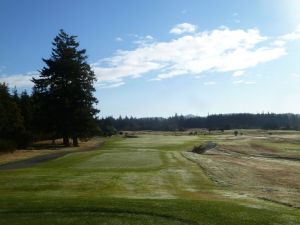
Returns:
<point x="66" y="141"/>
<point x="75" y="141"/>
<point x="53" y="143"/>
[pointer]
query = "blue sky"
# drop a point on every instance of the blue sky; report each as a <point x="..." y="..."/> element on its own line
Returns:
<point x="161" y="57"/>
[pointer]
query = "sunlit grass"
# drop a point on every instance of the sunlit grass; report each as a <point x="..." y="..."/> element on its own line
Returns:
<point x="144" y="180"/>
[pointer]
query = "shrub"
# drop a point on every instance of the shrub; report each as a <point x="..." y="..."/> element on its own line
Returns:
<point x="6" y="145"/>
<point x="200" y="149"/>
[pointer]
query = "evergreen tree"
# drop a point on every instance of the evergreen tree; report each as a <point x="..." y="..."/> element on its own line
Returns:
<point x="11" y="121"/>
<point x="64" y="91"/>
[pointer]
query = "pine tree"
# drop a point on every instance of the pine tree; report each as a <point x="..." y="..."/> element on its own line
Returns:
<point x="11" y="121"/>
<point x="65" y="90"/>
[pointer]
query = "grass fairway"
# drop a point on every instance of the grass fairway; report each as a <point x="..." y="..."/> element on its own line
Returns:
<point x="144" y="180"/>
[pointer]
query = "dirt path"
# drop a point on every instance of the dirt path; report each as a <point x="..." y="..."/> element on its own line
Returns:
<point x="25" y="163"/>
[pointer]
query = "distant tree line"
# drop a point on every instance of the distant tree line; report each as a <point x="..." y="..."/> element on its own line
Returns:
<point x="268" y="121"/>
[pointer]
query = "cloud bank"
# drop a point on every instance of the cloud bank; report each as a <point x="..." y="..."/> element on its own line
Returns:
<point x="218" y="50"/>
<point x="193" y="53"/>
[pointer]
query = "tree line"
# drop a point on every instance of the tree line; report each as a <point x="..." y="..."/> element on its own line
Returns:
<point x="61" y="104"/>
<point x="268" y="121"/>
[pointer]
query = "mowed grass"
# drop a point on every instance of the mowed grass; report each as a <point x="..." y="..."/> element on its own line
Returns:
<point x="144" y="180"/>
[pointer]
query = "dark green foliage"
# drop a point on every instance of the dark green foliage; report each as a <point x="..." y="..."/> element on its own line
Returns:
<point x="212" y="122"/>
<point x="12" y="128"/>
<point x="7" y="145"/>
<point x="107" y="128"/>
<point x="235" y="133"/>
<point x="63" y="93"/>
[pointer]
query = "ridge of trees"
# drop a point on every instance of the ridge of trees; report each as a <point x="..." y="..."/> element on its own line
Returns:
<point x="268" y="121"/>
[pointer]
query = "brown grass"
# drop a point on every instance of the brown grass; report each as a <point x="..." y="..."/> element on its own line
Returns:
<point x="247" y="168"/>
<point x="45" y="147"/>
<point x="21" y="154"/>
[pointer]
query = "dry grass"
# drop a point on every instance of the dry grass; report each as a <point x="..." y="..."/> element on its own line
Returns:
<point x="21" y="154"/>
<point x="255" y="166"/>
<point x="45" y="147"/>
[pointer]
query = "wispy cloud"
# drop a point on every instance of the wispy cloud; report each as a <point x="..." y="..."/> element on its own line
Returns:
<point x="209" y="83"/>
<point x="183" y="28"/>
<point x="238" y="73"/>
<point x="284" y="39"/>
<point x="237" y="82"/>
<point x="118" y="39"/>
<point x="219" y="50"/>
<point x="235" y="17"/>
<point x="18" y="80"/>
<point x="143" y="40"/>
<point x="113" y="85"/>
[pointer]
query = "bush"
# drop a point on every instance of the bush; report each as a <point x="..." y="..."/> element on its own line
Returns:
<point x="204" y="147"/>
<point x="23" y="139"/>
<point x="6" y="145"/>
<point x="236" y="133"/>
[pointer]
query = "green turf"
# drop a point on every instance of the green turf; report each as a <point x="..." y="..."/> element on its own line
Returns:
<point x="143" y="180"/>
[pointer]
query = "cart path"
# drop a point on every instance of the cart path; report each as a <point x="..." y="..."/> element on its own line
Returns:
<point x="25" y="163"/>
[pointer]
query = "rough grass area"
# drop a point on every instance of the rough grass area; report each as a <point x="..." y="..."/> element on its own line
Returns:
<point x="6" y="157"/>
<point x="45" y="148"/>
<point x="265" y="167"/>
<point x="145" y="180"/>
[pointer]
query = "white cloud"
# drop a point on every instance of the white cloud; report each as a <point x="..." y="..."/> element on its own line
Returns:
<point x="292" y="36"/>
<point x="209" y="83"/>
<point x="18" y="80"/>
<point x="142" y="40"/>
<point x="113" y="85"/>
<point x="295" y="35"/>
<point x="118" y="39"/>
<point x="236" y="82"/>
<point x="238" y="73"/>
<point x="219" y="50"/>
<point x="149" y="37"/>
<point x="183" y="28"/>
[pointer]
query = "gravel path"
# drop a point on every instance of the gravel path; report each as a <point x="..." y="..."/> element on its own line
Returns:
<point x="25" y="163"/>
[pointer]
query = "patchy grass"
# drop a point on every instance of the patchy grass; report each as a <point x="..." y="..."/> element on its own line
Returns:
<point x="145" y="180"/>
<point x="256" y="166"/>
<point x="44" y="148"/>
<point x="20" y="155"/>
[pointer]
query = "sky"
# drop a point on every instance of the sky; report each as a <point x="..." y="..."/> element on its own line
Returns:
<point x="161" y="57"/>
